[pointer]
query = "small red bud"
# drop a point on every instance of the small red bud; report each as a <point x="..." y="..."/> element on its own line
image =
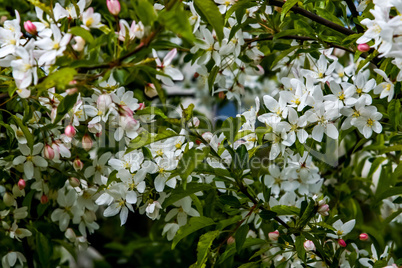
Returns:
<point x="363" y="47"/>
<point x="363" y="237"/>
<point x="44" y="199"/>
<point x="48" y="152"/>
<point x="30" y="27"/>
<point x="342" y="243"/>
<point x="21" y="184"/>
<point x="273" y="235"/>
<point x="69" y="131"/>
<point x="231" y="240"/>
<point x="74" y="182"/>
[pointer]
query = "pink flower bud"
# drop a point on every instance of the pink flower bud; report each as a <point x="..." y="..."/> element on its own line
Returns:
<point x="113" y="6"/>
<point x="231" y="240"/>
<point x="103" y="102"/>
<point x="21" y="184"/>
<point x="323" y="210"/>
<point x="44" y="199"/>
<point x="74" y="182"/>
<point x="8" y="199"/>
<point x="273" y="235"/>
<point x="69" y="131"/>
<point x="48" y="152"/>
<point x="150" y="90"/>
<point x="87" y="142"/>
<point x="309" y="245"/>
<point x="196" y="121"/>
<point x="73" y="90"/>
<point x="363" y="47"/>
<point x="342" y="243"/>
<point x="222" y="95"/>
<point x="78" y="165"/>
<point x="79" y="43"/>
<point x="142" y="105"/>
<point x="30" y="27"/>
<point x="124" y="110"/>
<point x="207" y="136"/>
<point x="363" y="237"/>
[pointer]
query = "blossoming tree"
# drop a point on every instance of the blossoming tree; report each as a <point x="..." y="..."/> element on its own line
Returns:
<point x="97" y="142"/>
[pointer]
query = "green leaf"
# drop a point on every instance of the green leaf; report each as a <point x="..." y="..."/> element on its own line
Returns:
<point x="59" y="79"/>
<point x="231" y="126"/>
<point x="179" y="193"/>
<point x="194" y="224"/>
<point x="79" y="31"/>
<point x="301" y="252"/>
<point x="267" y="214"/>
<point x="151" y="110"/>
<point x="394" y="112"/>
<point x="176" y="20"/>
<point x="389" y="192"/>
<point x="27" y="134"/>
<point x="287" y="6"/>
<point x="145" y="11"/>
<point x="65" y="106"/>
<point x="211" y="77"/>
<point x="209" y="12"/>
<point x="374" y="166"/>
<point x="308" y="213"/>
<point x="225" y="223"/>
<point x="282" y="210"/>
<point x="44" y="249"/>
<point x="204" y="244"/>
<point x="230" y="200"/>
<point x="70" y="248"/>
<point x="190" y="160"/>
<point x="240" y="236"/>
<point x="146" y="138"/>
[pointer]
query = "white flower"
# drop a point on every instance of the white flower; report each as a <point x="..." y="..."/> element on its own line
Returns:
<point x="152" y="209"/>
<point x="385" y="88"/>
<point x="53" y="47"/>
<point x="10" y="259"/>
<point x="367" y="122"/>
<point x="342" y="229"/>
<point x="19" y="233"/>
<point x="63" y="215"/>
<point x="30" y="159"/>
<point x="91" y="19"/>
<point x="183" y="209"/>
<point x="170" y="229"/>
<point x="374" y="257"/>
<point x="166" y="67"/>
<point x="24" y="69"/>
<point x="136" y="30"/>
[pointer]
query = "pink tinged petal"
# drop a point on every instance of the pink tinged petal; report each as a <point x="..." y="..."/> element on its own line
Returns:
<point x="131" y="197"/>
<point x="39" y="161"/>
<point x="112" y="210"/>
<point x="169" y="57"/>
<point x="123" y="215"/>
<point x="29" y="169"/>
<point x="332" y="131"/>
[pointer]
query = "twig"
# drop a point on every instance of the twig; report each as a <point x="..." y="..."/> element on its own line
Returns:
<point x="314" y="17"/>
<point x="355" y="14"/>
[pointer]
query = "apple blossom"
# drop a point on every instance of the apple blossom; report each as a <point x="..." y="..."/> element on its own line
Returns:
<point x="273" y="235"/>
<point x="113" y="6"/>
<point x="309" y="245"/>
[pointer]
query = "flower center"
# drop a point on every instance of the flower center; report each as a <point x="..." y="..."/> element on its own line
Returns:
<point x="89" y="22"/>
<point x="370" y="122"/>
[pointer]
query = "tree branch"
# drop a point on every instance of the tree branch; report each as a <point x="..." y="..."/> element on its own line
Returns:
<point x="355" y="14"/>
<point x="314" y="17"/>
